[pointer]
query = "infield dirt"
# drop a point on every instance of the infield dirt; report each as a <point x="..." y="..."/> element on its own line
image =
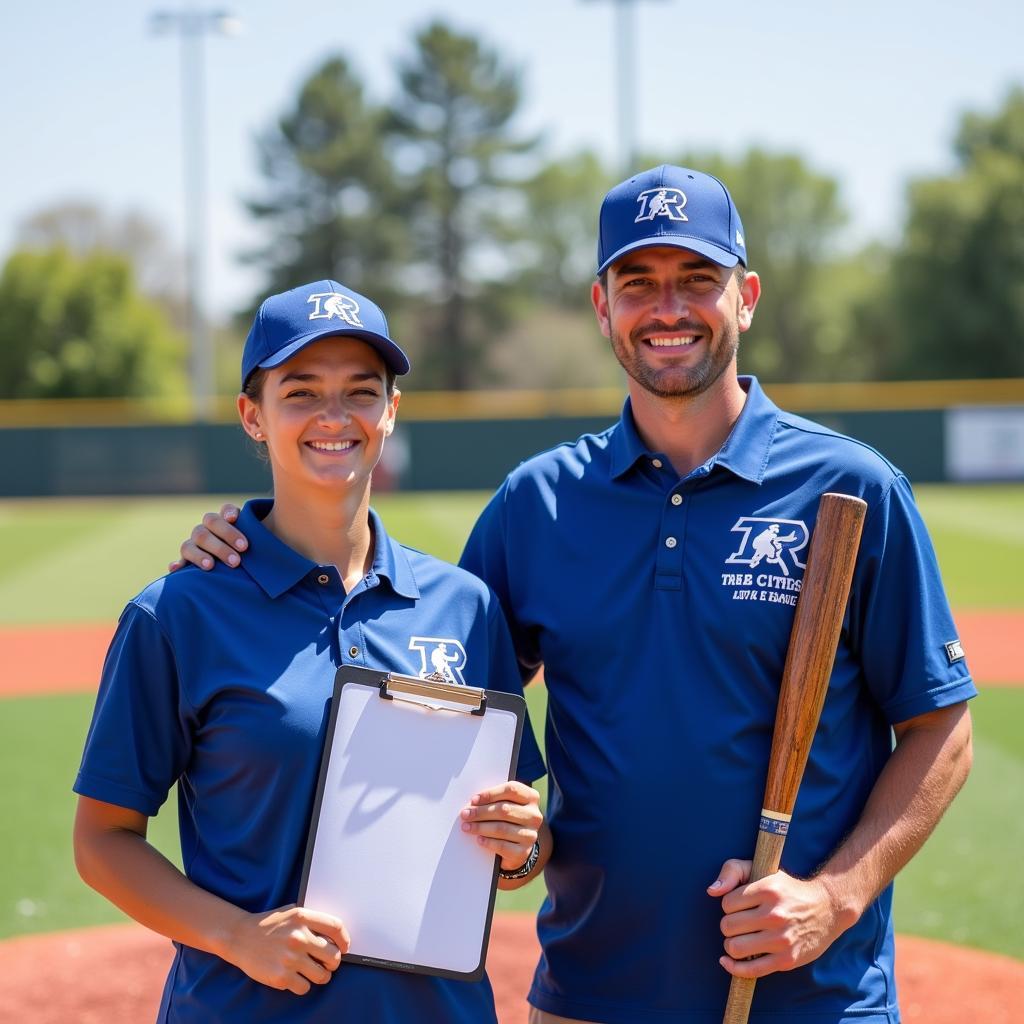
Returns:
<point x="66" y="659"/>
<point x="114" y="975"/>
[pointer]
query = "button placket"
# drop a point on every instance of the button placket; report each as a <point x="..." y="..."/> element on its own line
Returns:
<point x="669" y="560"/>
<point x="351" y="642"/>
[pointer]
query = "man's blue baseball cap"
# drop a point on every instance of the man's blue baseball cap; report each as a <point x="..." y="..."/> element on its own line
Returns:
<point x="290" y="321"/>
<point x="670" y="206"/>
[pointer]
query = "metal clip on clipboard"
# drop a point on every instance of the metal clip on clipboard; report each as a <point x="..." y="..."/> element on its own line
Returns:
<point x="434" y="693"/>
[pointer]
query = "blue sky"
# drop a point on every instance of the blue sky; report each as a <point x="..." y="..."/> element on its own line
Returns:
<point x="869" y="93"/>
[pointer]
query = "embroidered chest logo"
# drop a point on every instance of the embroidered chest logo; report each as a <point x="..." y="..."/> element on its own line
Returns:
<point x="773" y="546"/>
<point x="661" y="202"/>
<point x="441" y="659"/>
<point x="333" y="304"/>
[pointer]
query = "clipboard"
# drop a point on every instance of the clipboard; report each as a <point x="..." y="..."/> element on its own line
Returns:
<point x="386" y="852"/>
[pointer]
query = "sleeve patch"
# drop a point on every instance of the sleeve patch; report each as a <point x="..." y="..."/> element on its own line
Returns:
<point x="954" y="651"/>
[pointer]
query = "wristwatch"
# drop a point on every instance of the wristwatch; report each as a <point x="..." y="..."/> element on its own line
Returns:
<point x="531" y="863"/>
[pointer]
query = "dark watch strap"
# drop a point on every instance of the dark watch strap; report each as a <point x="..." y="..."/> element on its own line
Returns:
<point x="531" y="863"/>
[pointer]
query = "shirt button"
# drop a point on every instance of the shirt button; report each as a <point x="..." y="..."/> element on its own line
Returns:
<point x="323" y="578"/>
<point x="670" y="542"/>
<point x="656" y="463"/>
<point x="677" y="499"/>
<point x="353" y="652"/>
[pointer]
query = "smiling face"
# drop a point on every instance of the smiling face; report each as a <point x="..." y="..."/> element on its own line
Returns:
<point x="674" y="318"/>
<point x="324" y="415"/>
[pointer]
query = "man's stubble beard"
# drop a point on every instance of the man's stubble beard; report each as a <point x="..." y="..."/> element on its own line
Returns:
<point x="677" y="381"/>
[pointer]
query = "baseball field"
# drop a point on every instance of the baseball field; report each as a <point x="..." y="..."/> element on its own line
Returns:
<point x="67" y="567"/>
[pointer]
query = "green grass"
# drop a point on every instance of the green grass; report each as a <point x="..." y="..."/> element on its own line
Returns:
<point x="41" y="742"/>
<point x="75" y="561"/>
<point x="80" y="561"/>
<point x="962" y="887"/>
<point x="530" y="897"/>
<point x="979" y="536"/>
<point x="40" y="890"/>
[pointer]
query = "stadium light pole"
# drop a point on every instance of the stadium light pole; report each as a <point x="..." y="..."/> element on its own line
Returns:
<point x="192" y="25"/>
<point x="625" y="61"/>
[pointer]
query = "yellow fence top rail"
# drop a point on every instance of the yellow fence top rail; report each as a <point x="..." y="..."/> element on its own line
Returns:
<point x="473" y="405"/>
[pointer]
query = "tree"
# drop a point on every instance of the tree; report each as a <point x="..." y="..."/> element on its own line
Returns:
<point x="560" y="249"/>
<point x="82" y="226"/>
<point x="956" y="295"/>
<point x="451" y="125"/>
<point x="75" y="326"/>
<point x="330" y="208"/>
<point x="791" y="220"/>
<point x="552" y="340"/>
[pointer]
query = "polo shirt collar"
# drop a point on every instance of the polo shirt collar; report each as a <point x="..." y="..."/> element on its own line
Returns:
<point x="627" y="447"/>
<point x="277" y="568"/>
<point x="748" y="446"/>
<point x="391" y="561"/>
<point x="746" y="449"/>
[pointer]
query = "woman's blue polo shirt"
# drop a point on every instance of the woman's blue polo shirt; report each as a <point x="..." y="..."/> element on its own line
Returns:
<point x="221" y="682"/>
<point x="661" y="609"/>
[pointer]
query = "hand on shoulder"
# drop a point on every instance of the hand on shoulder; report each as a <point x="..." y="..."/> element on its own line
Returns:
<point x="214" y="538"/>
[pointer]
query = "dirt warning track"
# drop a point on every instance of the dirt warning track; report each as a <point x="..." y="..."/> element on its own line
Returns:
<point x="38" y="660"/>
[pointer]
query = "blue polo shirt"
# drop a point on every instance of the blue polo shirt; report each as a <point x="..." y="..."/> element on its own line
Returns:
<point x="661" y="610"/>
<point x="222" y="682"/>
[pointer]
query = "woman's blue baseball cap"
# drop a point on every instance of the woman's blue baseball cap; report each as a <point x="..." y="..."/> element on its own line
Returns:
<point x="675" y="206"/>
<point x="288" y="322"/>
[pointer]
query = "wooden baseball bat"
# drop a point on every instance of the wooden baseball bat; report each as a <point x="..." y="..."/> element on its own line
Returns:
<point x="812" y="650"/>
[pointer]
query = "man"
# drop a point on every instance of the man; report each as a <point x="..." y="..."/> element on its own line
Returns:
<point x="629" y="564"/>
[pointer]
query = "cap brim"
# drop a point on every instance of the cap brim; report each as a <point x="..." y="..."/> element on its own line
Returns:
<point x="713" y="252"/>
<point x="395" y="359"/>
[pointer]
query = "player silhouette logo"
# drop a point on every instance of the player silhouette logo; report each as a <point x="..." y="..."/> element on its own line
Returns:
<point x="769" y="546"/>
<point x="661" y="202"/>
<point x="774" y="542"/>
<point x="333" y="304"/>
<point x="441" y="659"/>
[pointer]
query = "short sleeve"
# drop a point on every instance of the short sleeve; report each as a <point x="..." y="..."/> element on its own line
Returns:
<point x="900" y="623"/>
<point x="137" y="745"/>
<point x="486" y="556"/>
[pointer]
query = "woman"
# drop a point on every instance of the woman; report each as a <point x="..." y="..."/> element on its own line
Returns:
<point x="221" y="683"/>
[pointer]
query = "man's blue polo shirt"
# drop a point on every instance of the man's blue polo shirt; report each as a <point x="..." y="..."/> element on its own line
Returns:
<point x="661" y="610"/>
<point x="221" y="682"/>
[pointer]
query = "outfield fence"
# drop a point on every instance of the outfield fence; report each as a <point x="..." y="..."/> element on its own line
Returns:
<point x="934" y="430"/>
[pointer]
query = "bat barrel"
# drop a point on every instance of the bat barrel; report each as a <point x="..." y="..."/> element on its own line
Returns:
<point x="813" y="640"/>
<point x="817" y="623"/>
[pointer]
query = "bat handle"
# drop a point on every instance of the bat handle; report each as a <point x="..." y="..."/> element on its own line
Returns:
<point x="767" y="856"/>
<point x="741" y="994"/>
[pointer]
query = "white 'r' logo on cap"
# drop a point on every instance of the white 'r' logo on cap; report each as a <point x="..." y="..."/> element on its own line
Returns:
<point x="331" y="304"/>
<point x="661" y="202"/>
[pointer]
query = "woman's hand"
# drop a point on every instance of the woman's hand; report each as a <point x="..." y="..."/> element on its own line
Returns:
<point x="291" y="948"/>
<point x="506" y="820"/>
